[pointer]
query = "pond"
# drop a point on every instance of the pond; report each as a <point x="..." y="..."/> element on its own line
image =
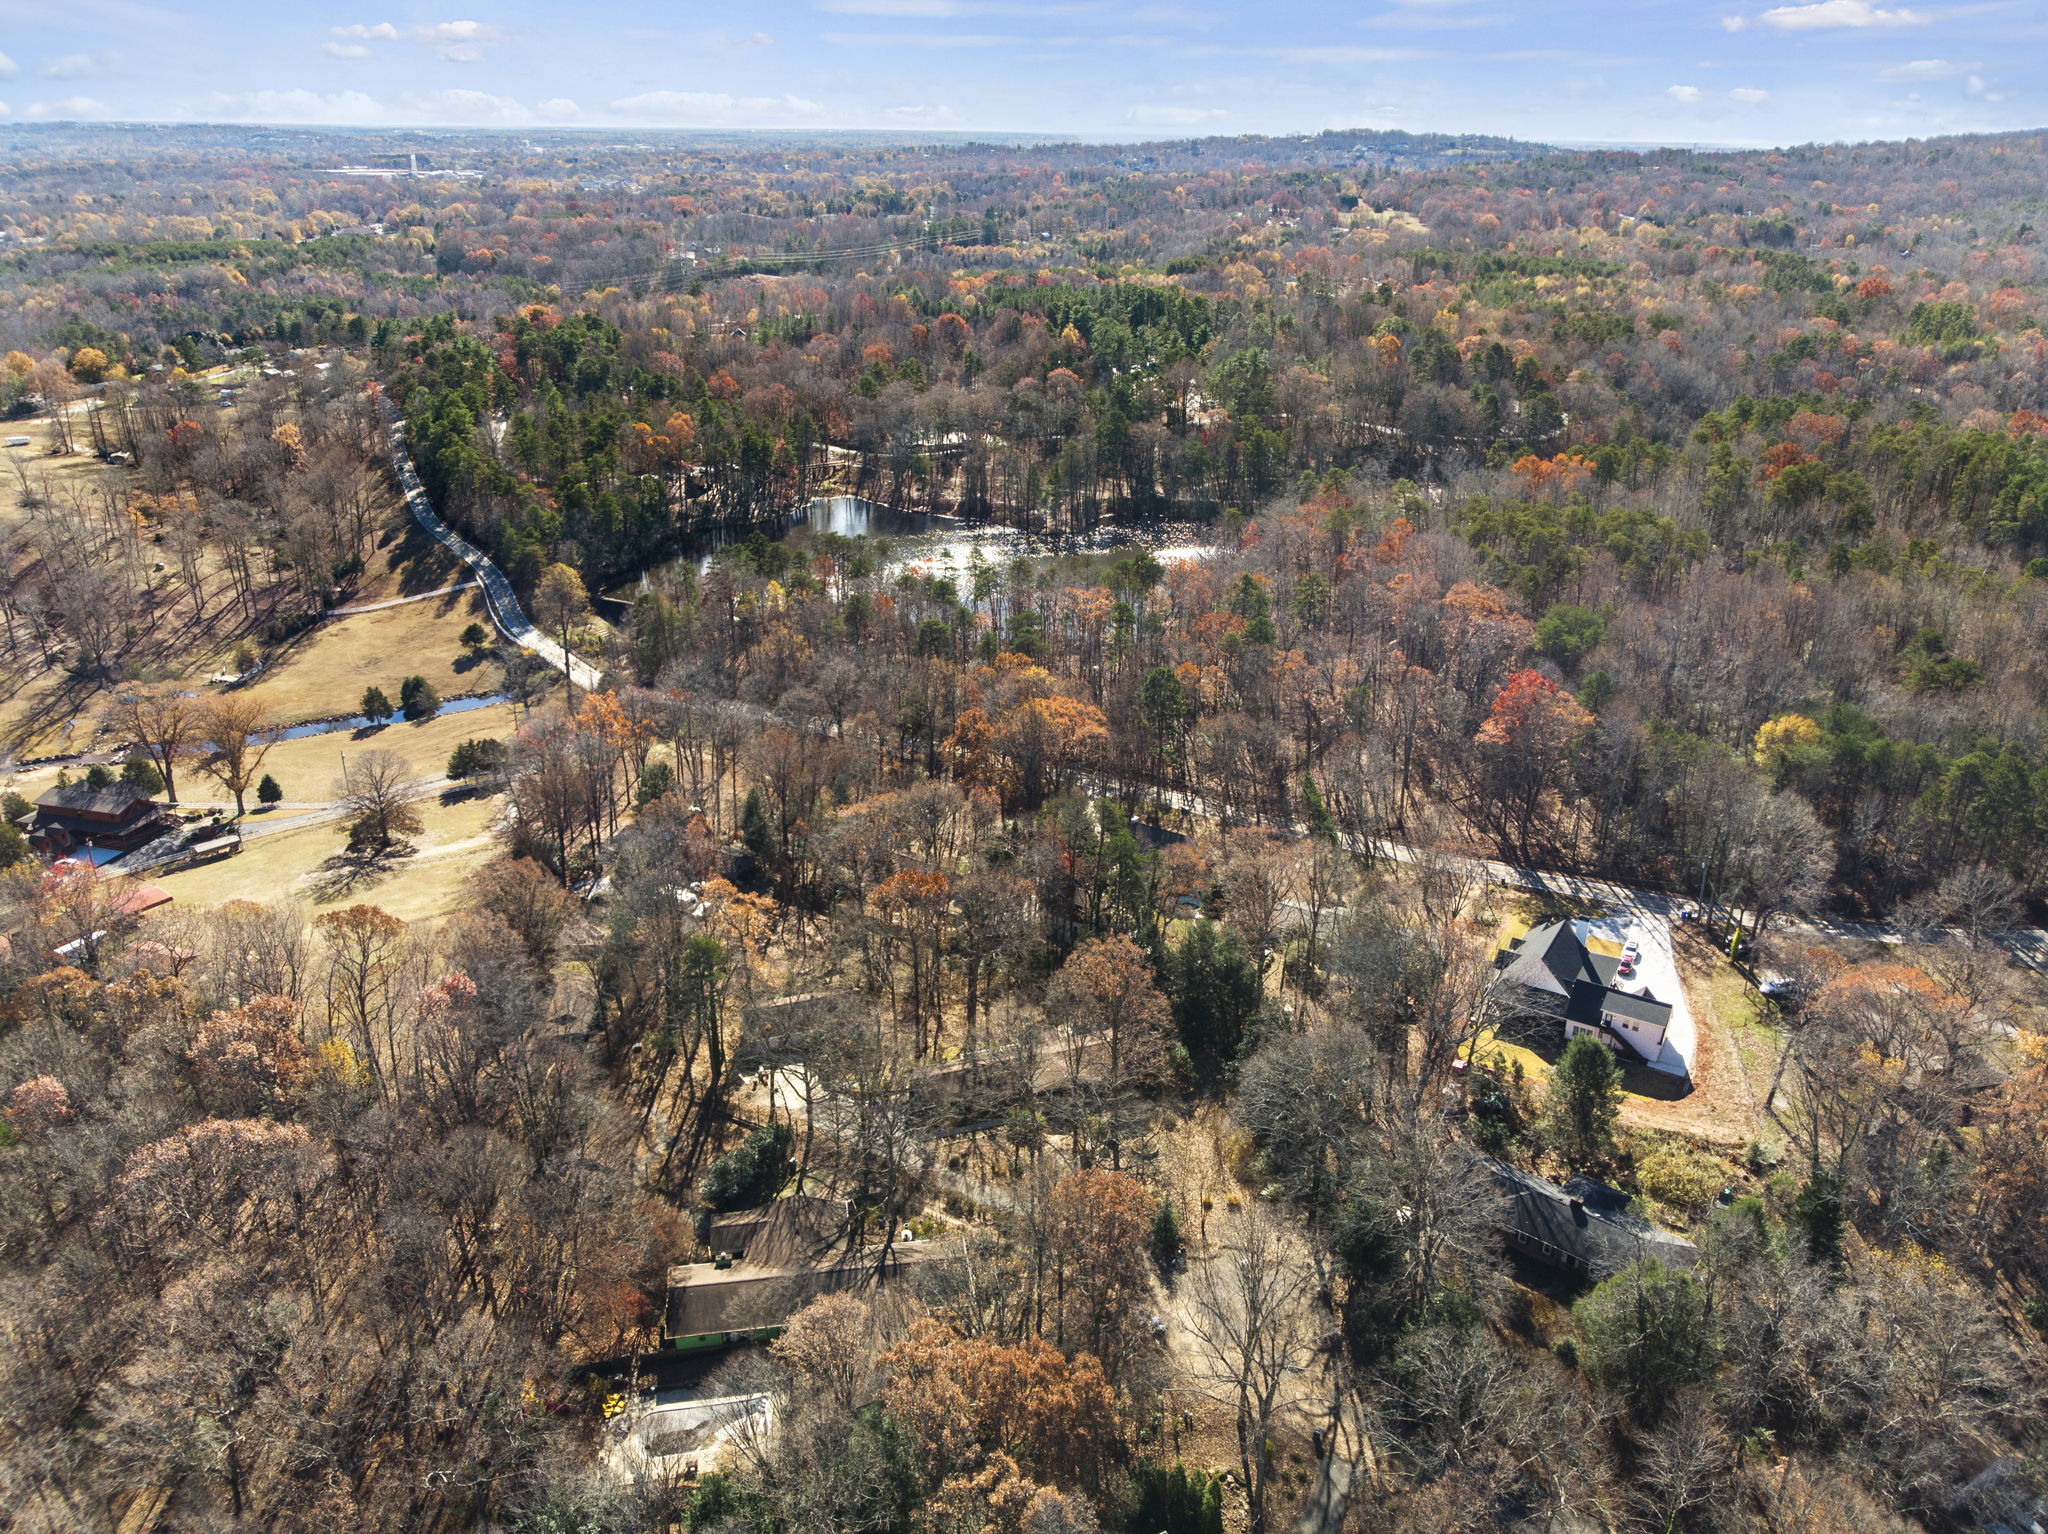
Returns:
<point x="933" y="544"/>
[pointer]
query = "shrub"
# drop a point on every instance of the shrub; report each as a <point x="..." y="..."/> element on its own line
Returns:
<point x="141" y="772"/>
<point x="1680" y="1178"/>
<point x="656" y="779"/>
<point x="752" y="1174"/>
<point x="269" y="791"/>
<point x="98" y="777"/>
<point x="476" y="636"/>
<point x="1176" y="1501"/>
<point x="1644" y="1335"/>
<point x="1165" y="1233"/>
<point x="417" y="698"/>
<point x="477" y="759"/>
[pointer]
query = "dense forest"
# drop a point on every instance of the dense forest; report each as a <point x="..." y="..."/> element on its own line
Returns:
<point x="1105" y="916"/>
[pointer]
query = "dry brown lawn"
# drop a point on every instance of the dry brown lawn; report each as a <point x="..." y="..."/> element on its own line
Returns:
<point x="320" y="674"/>
<point x="325" y="672"/>
<point x="1721" y="1110"/>
<point x="309" y="864"/>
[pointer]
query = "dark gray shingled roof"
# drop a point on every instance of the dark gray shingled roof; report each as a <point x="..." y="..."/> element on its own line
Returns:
<point x="1583" y="1227"/>
<point x="116" y="799"/>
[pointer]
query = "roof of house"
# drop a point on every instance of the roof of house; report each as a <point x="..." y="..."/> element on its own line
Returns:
<point x="744" y="1299"/>
<point x="1585" y="978"/>
<point x="1556" y="949"/>
<point x="1641" y="1006"/>
<point x="1583" y="1226"/>
<point x="1589" y="1001"/>
<point x="144" y="897"/>
<point x="793" y="1251"/>
<point x="791" y="1232"/>
<point x="116" y="799"/>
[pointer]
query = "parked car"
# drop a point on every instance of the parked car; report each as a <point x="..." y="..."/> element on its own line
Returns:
<point x="1783" y="989"/>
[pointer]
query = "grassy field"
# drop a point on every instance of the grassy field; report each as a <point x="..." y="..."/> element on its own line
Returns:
<point x="309" y="864"/>
<point x="1750" y="1026"/>
<point x="324" y="672"/>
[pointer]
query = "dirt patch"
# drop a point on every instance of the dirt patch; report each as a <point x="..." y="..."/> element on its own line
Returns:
<point x="1721" y="1108"/>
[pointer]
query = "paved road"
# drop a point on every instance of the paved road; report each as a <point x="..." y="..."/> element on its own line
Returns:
<point x="2029" y="945"/>
<point x="499" y="597"/>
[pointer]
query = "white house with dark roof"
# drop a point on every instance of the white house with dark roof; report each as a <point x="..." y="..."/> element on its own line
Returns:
<point x="1550" y="971"/>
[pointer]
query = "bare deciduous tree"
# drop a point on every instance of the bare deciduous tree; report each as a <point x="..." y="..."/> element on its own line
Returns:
<point x="236" y="739"/>
<point x="375" y="798"/>
<point x="165" y="722"/>
<point x="1255" y="1324"/>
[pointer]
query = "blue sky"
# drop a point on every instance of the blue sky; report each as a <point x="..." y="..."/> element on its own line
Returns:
<point x="1671" y="71"/>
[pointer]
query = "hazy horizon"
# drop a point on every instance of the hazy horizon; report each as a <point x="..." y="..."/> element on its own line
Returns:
<point x="1736" y="74"/>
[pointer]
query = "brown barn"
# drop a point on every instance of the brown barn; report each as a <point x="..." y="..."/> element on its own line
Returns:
<point x="119" y="816"/>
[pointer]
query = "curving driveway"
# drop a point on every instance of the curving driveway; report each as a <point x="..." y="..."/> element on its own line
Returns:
<point x="499" y="597"/>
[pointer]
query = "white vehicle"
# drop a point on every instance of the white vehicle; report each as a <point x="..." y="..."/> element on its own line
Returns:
<point x="17" y="442"/>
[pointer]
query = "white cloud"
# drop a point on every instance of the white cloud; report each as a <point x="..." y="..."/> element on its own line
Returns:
<point x="1926" y="69"/>
<point x="1828" y="15"/>
<point x="466" y="109"/>
<point x="457" y="32"/>
<point x="1684" y="93"/>
<point x="70" y="109"/>
<point x="1734" y="23"/>
<point x="459" y="42"/>
<point x="344" y="50"/>
<point x="1977" y="87"/>
<point x="716" y="109"/>
<point x="1174" y="117"/>
<point x="559" y="109"/>
<point x="358" y="109"/>
<point x="895" y="7"/>
<point x="1336" y="54"/>
<point x="1749" y="93"/>
<point x="1427" y="16"/>
<point x="927" y="117"/>
<point x="78" y="66"/>
<point x="935" y="9"/>
<point x="936" y="40"/>
<point x="8" y="68"/>
<point x="343" y="108"/>
<point x="6" y="111"/>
